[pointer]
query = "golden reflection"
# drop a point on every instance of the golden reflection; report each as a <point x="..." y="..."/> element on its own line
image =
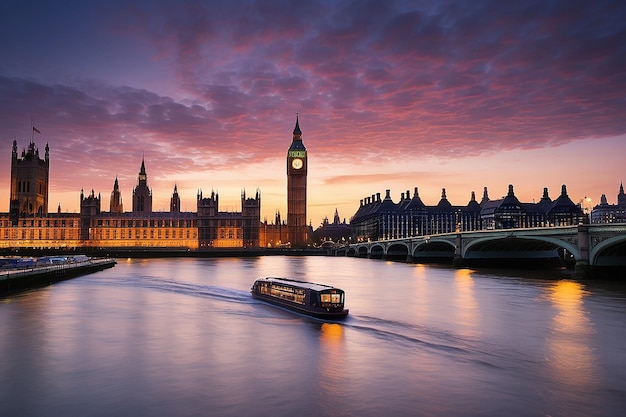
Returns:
<point x="571" y="356"/>
<point x="420" y="305"/>
<point x="419" y="270"/>
<point x="331" y="333"/>
<point x="465" y="301"/>
<point x="567" y="297"/>
<point x="463" y="274"/>
<point x="331" y="359"/>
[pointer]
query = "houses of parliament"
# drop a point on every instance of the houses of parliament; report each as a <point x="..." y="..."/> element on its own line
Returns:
<point x="28" y="224"/>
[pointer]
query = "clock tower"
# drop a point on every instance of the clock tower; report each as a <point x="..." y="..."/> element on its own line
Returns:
<point x="296" y="189"/>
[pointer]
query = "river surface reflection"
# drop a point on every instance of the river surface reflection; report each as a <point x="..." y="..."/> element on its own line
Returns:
<point x="183" y="337"/>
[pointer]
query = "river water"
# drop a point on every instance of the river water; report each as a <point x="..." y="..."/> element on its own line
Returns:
<point x="183" y="337"/>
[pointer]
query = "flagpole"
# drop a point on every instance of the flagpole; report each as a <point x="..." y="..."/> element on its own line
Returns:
<point x="33" y="130"/>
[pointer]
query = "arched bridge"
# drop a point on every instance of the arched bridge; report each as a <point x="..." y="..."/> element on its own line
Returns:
<point x="583" y="245"/>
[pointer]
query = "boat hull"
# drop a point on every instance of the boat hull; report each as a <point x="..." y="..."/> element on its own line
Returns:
<point x="317" y="313"/>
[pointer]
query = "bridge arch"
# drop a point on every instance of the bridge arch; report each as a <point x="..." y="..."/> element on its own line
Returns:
<point x="520" y="242"/>
<point x="397" y="251"/>
<point x="611" y="252"/>
<point x="328" y="244"/>
<point x="433" y="249"/>
<point x="377" y="251"/>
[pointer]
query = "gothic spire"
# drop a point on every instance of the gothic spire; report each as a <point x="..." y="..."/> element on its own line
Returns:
<point x="296" y="131"/>
<point x="142" y="171"/>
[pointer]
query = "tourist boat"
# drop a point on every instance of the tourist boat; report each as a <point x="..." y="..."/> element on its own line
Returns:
<point x="316" y="300"/>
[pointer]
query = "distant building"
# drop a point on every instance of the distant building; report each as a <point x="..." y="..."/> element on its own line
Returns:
<point x="129" y="230"/>
<point x="378" y="219"/>
<point x="29" y="182"/>
<point x="510" y="213"/>
<point x="337" y="232"/>
<point x="274" y="234"/>
<point x="228" y="229"/>
<point x="610" y="213"/>
<point x="142" y="195"/>
<point x="28" y="224"/>
<point x="115" y="205"/>
<point x="175" y="201"/>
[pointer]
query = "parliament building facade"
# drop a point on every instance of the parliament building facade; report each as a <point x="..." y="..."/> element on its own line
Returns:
<point x="28" y="224"/>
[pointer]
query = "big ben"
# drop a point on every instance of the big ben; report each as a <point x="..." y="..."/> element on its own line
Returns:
<point x="296" y="189"/>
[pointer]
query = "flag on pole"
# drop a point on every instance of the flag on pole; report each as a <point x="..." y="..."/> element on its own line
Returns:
<point x="36" y="130"/>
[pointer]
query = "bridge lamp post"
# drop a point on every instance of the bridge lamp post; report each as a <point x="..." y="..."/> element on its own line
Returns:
<point x="585" y="205"/>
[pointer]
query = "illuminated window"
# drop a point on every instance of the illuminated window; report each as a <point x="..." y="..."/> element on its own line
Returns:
<point x="330" y="298"/>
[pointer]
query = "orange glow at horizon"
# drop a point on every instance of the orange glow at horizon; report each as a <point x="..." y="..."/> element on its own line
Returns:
<point x="334" y="188"/>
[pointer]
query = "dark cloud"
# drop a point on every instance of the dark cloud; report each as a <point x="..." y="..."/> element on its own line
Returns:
<point x="474" y="69"/>
<point x="106" y="126"/>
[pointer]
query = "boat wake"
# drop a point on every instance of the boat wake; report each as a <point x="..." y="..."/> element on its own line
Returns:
<point x="186" y="288"/>
<point x="406" y="332"/>
<point x="456" y="346"/>
<point x="228" y="295"/>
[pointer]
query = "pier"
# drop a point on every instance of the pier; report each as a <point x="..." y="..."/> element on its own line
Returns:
<point x="25" y="278"/>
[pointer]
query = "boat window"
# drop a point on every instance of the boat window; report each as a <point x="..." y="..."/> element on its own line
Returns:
<point x="334" y="298"/>
<point x="288" y="293"/>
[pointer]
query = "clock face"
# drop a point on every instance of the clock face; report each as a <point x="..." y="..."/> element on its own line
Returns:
<point x="297" y="163"/>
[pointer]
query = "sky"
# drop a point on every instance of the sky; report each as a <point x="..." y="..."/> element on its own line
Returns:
<point x="393" y="95"/>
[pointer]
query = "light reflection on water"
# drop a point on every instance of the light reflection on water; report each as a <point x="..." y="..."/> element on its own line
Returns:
<point x="183" y="337"/>
<point x="332" y="368"/>
<point x="465" y="302"/>
<point x="571" y="358"/>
